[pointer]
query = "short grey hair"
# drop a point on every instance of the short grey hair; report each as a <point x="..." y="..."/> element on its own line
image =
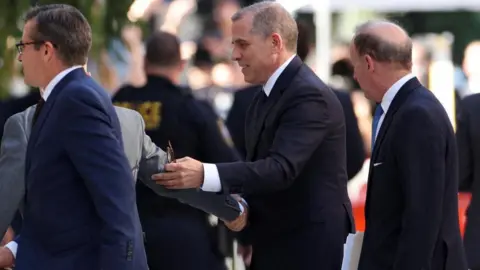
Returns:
<point x="380" y="48"/>
<point x="270" y="17"/>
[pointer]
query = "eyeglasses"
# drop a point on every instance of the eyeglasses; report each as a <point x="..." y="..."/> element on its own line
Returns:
<point x="170" y="153"/>
<point x="21" y="45"/>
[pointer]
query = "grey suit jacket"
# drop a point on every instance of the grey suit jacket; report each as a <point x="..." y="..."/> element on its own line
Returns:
<point x="144" y="157"/>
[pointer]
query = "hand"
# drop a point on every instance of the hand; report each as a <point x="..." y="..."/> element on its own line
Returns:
<point x="246" y="253"/>
<point x="241" y="221"/>
<point x="6" y="258"/>
<point x="9" y="235"/>
<point x="185" y="173"/>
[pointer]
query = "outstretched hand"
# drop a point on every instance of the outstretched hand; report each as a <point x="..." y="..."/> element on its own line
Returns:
<point x="185" y="173"/>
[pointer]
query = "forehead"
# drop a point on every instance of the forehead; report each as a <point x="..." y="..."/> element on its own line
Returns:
<point x="353" y="50"/>
<point x="28" y="29"/>
<point x="241" y="29"/>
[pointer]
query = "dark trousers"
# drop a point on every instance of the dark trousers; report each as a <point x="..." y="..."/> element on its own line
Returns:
<point x="176" y="243"/>
<point x="314" y="246"/>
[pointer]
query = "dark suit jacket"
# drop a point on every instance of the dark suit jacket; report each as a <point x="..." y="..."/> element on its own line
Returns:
<point x="468" y="141"/>
<point x="355" y="149"/>
<point x="80" y="199"/>
<point x="411" y="210"/>
<point x="295" y="175"/>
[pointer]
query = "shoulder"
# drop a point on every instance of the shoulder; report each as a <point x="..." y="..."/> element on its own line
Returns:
<point x="422" y="109"/>
<point x="471" y="101"/>
<point x="123" y="92"/>
<point x="125" y="114"/>
<point x="83" y="93"/>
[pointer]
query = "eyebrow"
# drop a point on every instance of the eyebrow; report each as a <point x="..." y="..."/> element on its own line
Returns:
<point x="239" y="40"/>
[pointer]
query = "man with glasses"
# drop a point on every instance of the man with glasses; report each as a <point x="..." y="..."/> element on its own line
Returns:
<point x="79" y="208"/>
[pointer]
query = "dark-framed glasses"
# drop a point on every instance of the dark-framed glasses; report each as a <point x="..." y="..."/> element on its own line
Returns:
<point x="21" y="45"/>
<point x="170" y="153"/>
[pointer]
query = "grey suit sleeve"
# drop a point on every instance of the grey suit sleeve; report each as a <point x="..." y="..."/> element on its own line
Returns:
<point x="153" y="160"/>
<point x="12" y="170"/>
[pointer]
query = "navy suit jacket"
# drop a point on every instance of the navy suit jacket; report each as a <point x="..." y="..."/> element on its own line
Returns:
<point x="80" y="210"/>
<point x="295" y="178"/>
<point x="411" y="210"/>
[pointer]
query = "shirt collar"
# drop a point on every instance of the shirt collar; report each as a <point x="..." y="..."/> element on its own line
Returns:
<point x="267" y="88"/>
<point x="393" y="90"/>
<point x="48" y="90"/>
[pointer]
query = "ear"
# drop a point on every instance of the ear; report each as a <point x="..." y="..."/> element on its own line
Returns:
<point x="277" y="42"/>
<point x="49" y="50"/>
<point x="369" y="62"/>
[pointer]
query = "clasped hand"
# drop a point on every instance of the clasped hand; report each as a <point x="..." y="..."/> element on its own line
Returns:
<point x="185" y="173"/>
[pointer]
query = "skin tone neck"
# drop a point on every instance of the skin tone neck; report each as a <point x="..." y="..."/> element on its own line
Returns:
<point x="282" y="57"/>
<point x="388" y="78"/>
<point x="171" y="73"/>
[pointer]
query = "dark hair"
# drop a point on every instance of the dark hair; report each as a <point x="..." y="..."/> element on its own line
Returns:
<point x="66" y="28"/>
<point x="303" y="43"/>
<point x="163" y="49"/>
<point x="381" y="49"/>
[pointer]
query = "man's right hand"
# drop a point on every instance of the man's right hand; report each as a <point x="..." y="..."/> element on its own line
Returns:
<point x="6" y="258"/>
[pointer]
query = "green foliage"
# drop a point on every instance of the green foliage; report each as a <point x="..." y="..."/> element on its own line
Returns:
<point x="464" y="25"/>
<point x="106" y="17"/>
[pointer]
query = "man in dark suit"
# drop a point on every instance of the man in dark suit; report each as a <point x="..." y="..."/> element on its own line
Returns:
<point x="172" y="115"/>
<point x="468" y="141"/>
<point x="411" y="211"/>
<point x="79" y="209"/>
<point x="294" y="179"/>
<point x="236" y="118"/>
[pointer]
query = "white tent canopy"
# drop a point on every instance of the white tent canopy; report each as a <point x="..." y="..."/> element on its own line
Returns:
<point x="392" y="5"/>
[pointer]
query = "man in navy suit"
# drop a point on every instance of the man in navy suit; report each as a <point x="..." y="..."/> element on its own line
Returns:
<point x="79" y="208"/>
<point x="294" y="178"/>
<point x="411" y="210"/>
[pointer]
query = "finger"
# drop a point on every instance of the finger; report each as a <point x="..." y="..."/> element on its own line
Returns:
<point x="183" y="159"/>
<point x="166" y="176"/>
<point x="170" y="184"/>
<point x="173" y="167"/>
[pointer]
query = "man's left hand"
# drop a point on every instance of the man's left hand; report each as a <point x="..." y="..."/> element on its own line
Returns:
<point x="6" y="258"/>
<point x="185" y="173"/>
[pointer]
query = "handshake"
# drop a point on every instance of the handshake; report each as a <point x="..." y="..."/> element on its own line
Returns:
<point x="241" y="221"/>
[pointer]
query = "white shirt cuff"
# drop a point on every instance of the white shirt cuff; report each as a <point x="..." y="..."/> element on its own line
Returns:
<point x="12" y="246"/>
<point x="211" y="178"/>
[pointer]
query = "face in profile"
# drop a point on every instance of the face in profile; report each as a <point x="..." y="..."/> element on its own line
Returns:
<point x="29" y="56"/>
<point x="253" y="52"/>
<point x="362" y="68"/>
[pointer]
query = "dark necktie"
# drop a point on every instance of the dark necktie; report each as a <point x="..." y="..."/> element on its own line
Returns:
<point x="376" y="119"/>
<point x="39" y="107"/>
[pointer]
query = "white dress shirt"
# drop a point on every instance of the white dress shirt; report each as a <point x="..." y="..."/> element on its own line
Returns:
<point x="12" y="245"/>
<point x="211" y="177"/>
<point x="389" y="96"/>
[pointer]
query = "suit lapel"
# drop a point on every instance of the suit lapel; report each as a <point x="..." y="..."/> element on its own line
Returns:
<point x="250" y="125"/>
<point x="36" y="129"/>
<point x="397" y="102"/>
<point x="261" y="111"/>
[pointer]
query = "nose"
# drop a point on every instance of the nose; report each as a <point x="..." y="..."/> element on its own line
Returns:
<point x="19" y="57"/>
<point x="236" y="55"/>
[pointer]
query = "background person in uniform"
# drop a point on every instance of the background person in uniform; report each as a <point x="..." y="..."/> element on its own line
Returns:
<point x="80" y="197"/>
<point x="178" y="236"/>
<point x="411" y="211"/>
<point x="294" y="179"/>
<point x="468" y="141"/>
